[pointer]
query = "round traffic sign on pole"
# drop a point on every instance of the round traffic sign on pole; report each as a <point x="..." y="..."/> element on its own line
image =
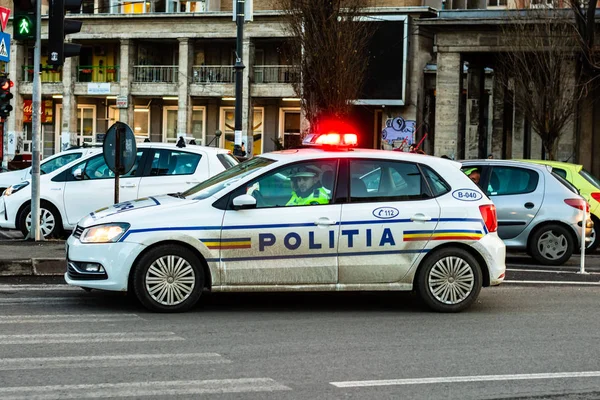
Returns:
<point x="119" y="148"/>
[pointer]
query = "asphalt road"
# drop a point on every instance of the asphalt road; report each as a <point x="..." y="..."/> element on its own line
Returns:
<point x="517" y="342"/>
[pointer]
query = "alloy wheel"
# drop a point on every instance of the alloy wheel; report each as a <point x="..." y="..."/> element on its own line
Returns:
<point x="47" y="222"/>
<point x="451" y="280"/>
<point x="170" y="280"/>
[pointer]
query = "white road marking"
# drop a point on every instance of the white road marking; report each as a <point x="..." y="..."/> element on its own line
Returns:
<point x="37" y="288"/>
<point x="554" y="283"/>
<point x="88" y="338"/>
<point x="475" y="378"/>
<point x="61" y="318"/>
<point x="10" y="364"/>
<point x="550" y="271"/>
<point x="139" y="389"/>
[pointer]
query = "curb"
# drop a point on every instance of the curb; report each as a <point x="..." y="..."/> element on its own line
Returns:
<point x="33" y="267"/>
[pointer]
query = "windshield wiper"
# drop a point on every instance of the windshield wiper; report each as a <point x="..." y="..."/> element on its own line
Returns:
<point x="178" y="195"/>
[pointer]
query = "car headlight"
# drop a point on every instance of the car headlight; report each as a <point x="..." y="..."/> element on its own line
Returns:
<point x="108" y="233"/>
<point x="15" y="188"/>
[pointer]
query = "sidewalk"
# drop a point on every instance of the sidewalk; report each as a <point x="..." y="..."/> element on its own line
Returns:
<point x="24" y="258"/>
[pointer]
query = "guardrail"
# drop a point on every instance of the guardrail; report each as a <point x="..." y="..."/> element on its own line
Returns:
<point x="98" y="73"/>
<point x="276" y="73"/>
<point x="155" y="73"/>
<point x="213" y="74"/>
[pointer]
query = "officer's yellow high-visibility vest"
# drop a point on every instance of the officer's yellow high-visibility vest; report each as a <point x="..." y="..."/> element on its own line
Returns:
<point x="318" y="196"/>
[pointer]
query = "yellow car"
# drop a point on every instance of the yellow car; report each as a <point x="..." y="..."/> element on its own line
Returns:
<point x="588" y="186"/>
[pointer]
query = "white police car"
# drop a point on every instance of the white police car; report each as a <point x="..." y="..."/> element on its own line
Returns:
<point x="370" y="220"/>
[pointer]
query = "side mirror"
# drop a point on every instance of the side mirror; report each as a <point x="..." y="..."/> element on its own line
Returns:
<point x="78" y="174"/>
<point x="244" y="202"/>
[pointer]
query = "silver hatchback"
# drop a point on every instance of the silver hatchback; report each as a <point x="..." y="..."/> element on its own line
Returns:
<point x="538" y="211"/>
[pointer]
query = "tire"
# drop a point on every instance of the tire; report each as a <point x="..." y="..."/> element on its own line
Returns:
<point x="552" y="244"/>
<point x="161" y="290"/>
<point x="51" y="221"/>
<point x="449" y="280"/>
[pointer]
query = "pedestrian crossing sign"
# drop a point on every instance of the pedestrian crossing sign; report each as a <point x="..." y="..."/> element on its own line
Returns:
<point x="4" y="47"/>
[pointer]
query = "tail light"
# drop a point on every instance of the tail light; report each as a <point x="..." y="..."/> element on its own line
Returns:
<point x="596" y="196"/>
<point x="488" y="213"/>
<point x="580" y="204"/>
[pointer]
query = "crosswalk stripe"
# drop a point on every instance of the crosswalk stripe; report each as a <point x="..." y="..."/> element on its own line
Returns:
<point x="88" y="338"/>
<point x="128" y="360"/>
<point x="61" y="318"/>
<point x="139" y="389"/>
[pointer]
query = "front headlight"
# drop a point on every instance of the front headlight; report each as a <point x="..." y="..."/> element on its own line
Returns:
<point x="109" y="233"/>
<point x="15" y="188"/>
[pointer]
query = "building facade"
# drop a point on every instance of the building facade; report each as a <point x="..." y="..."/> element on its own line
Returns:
<point x="166" y="69"/>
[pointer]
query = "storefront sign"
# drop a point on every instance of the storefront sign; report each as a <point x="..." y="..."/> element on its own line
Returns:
<point x="45" y="111"/>
<point x="98" y="88"/>
<point x="122" y="102"/>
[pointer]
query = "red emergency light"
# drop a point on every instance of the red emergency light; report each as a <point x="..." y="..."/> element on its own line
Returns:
<point x="332" y="134"/>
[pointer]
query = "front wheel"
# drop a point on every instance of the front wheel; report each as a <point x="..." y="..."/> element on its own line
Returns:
<point x="168" y="278"/>
<point x="552" y="244"/>
<point x="449" y="280"/>
<point x="50" y="220"/>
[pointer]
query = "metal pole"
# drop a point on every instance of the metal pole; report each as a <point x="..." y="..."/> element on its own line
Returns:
<point x="117" y="161"/>
<point x="34" y="232"/>
<point x="239" y="68"/>
<point x="583" y="225"/>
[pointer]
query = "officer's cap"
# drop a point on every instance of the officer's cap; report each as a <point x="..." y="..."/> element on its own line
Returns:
<point x="305" y="171"/>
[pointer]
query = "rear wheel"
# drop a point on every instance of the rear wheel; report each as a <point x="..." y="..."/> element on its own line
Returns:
<point x="168" y="278"/>
<point x="552" y="244"/>
<point x="449" y="280"/>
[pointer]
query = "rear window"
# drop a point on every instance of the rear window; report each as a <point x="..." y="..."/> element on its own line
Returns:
<point x="590" y="178"/>
<point x="227" y="160"/>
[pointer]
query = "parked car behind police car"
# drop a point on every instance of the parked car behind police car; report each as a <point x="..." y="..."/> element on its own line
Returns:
<point x="87" y="184"/>
<point x="537" y="211"/>
<point x="394" y="221"/>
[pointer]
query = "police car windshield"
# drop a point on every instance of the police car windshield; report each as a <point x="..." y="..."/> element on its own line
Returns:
<point x="226" y="178"/>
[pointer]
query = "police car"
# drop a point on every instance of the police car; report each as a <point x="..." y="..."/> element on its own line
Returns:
<point x="327" y="218"/>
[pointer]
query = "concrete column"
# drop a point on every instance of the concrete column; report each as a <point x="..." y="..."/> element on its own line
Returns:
<point x="126" y="61"/>
<point x="497" y="117"/>
<point x="419" y="51"/>
<point x="14" y="124"/>
<point x="247" y="107"/>
<point x="184" y="111"/>
<point x="517" y="150"/>
<point x="449" y="66"/>
<point x="68" y="129"/>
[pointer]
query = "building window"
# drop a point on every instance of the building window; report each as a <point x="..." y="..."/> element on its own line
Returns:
<point x="289" y="127"/>
<point x="141" y="123"/>
<point x="497" y="3"/>
<point x="186" y="6"/>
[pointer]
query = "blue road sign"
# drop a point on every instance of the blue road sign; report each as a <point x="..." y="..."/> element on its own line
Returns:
<point x="4" y="47"/>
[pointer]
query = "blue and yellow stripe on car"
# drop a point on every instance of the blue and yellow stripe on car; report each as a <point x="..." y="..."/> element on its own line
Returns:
<point x="453" y="234"/>
<point x="227" y="244"/>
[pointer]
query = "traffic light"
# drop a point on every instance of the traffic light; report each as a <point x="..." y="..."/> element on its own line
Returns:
<point x="5" y="96"/>
<point x="58" y="28"/>
<point x="24" y="19"/>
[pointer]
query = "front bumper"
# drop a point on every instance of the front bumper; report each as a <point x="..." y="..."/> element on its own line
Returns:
<point x="116" y="259"/>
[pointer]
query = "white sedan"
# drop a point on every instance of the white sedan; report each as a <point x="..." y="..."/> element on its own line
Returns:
<point x="47" y="165"/>
<point x="299" y="220"/>
<point x="69" y="193"/>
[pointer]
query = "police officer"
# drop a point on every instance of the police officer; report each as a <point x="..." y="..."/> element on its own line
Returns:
<point x="306" y="188"/>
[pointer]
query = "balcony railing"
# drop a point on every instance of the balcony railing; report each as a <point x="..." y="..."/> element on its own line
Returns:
<point x="46" y="75"/>
<point x="155" y="73"/>
<point x="98" y="73"/>
<point x="276" y="74"/>
<point x="213" y="74"/>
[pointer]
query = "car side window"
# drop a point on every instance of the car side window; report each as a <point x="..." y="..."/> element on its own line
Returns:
<point x="511" y="181"/>
<point x="381" y="180"/>
<point x="58" y="162"/>
<point x="96" y="168"/>
<point x="169" y="162"/>
<point x="561" y="172"/>
<point x="301" y="184"/>
<point x="437" y="183"/>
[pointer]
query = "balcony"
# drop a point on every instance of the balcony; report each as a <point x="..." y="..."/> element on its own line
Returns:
<point x="276" y="74"/>
<point x="98" y="73"/>
<point x="155" y="73"/>
<point x="206" y="74"/>
<point x="46" y="75"/>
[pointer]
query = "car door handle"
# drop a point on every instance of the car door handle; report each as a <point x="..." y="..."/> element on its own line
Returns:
<point x="131" y="185"/>
<point x="192" y="182"/>
<point x="324" y="221"/>
<point x="529" y="205"/>
<point x="420" y="218"/>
